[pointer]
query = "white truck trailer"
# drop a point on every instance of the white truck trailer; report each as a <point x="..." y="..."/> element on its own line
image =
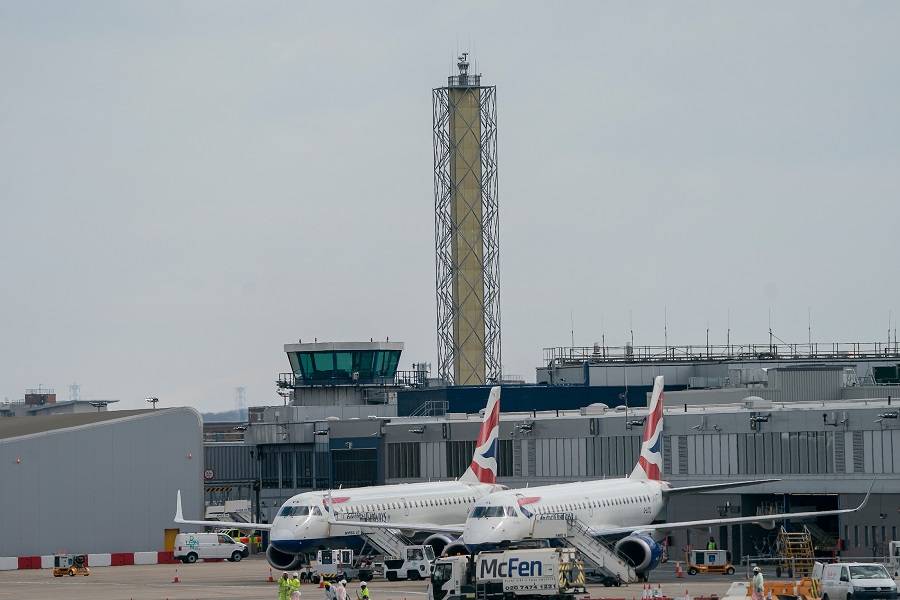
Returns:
<point x="538" y="573"/>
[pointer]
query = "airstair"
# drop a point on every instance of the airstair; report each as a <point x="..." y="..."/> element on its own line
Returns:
<point x="601" y="554"/>
<point x="389" y="541"/>
<point x="822" y="540"/>
<point x="795" y="551"/>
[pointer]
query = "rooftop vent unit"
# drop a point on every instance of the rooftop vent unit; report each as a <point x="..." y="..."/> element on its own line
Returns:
<point x="757" y="402"/>
<point x="597" y="408"/>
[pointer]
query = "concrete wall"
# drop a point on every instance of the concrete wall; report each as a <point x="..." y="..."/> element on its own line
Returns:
<point x="102" y="487"/>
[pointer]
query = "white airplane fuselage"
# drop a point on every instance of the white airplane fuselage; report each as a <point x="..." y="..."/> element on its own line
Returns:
<point x="302" y="524"/>
<point x="513" y="515"/>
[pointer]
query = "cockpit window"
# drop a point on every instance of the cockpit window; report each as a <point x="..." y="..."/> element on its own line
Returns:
<point x="487" y="512"/>
<point x="295" y="511"/>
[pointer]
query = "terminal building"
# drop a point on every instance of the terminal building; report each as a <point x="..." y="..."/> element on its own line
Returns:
<point x="826" y="428"/>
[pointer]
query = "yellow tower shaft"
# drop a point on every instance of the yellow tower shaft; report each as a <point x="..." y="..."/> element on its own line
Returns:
<point x="467" y="243"/>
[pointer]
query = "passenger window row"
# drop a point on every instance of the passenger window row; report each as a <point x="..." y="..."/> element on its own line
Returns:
<point x="604" y="503"/>
<point x="405" y="504"/>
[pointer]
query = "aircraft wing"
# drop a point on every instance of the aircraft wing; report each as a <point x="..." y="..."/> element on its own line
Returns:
<point x="758" y="519"/>
<point x="401" y="526"/>
<point x="708" y="487"/>
<point x="179" y="518"/>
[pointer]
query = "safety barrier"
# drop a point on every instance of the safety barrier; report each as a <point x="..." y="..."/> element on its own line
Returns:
<point x="107" y="559"/>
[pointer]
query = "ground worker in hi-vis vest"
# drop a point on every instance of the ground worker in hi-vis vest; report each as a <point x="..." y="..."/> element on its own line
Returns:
<point x="757" y="584"/>
<point x="363" y="592"/>
<point x="285" y="587"/>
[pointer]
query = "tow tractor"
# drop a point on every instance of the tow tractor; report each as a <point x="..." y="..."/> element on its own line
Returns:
<point x="71" y="565"/>
<point x="709" y="561"/>
<point x="414" y="563"/>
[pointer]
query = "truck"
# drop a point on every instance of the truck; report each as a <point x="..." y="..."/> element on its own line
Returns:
<point x="854" y="581"/>
<point x="537" y="573"/>
<point x="334" y="565"/>
<point x="413" y="563"/>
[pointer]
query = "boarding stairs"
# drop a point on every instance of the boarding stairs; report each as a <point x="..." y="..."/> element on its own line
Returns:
<point x="600" y="553"/>
<point x="822" y="540"/>
<point x="389" y="542"/>
<point x="795" y="551"/>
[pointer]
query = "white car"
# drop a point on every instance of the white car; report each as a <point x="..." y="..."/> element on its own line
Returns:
<point x="855" y="581"/>
<point x="191" y="546"/>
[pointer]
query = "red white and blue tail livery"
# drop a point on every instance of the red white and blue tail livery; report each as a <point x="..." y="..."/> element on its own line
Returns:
<point x="650" y="463"/>
<point x="484" y="461"/>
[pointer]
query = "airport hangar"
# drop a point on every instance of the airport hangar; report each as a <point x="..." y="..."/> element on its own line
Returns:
<point x="825" y="426"/>
<point x="100" y="482"/>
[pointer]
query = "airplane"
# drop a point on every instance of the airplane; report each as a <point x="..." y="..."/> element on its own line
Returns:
<point x="626" y="508"/>
<point x="334" y="519"/>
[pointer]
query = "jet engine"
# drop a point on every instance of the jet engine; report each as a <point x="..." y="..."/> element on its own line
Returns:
<point x="439" y="542"/>
<point x="640" y="550"/>
<point x="282" y="560"/>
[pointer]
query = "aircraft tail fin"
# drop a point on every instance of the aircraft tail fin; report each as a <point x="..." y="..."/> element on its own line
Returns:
<point x="650" y="463"/>
<point x="484" y="461"/>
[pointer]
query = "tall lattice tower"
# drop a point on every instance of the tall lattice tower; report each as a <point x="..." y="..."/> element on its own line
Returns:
<point x="466" y="229"/>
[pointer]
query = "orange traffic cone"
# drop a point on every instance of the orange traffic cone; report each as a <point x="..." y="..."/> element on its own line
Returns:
<point x="686" y="595"/>
<point x="321" y="582"/>
<point x="270" y="579"/>
<point x="176" y="579"/>
<point x="679" y="572"/>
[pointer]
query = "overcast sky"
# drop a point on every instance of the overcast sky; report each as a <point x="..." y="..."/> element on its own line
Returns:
<point x="187" y="186"/>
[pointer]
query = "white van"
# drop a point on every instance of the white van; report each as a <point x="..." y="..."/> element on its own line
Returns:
<point x="191" y="546"/>
<point x="855" y="581"/>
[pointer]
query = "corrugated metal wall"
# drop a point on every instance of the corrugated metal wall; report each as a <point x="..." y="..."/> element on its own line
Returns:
<point x="229" y="462"/>
<point x="104" y="487"/>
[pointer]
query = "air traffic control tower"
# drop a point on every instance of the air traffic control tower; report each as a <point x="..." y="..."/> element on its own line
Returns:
<point x="466" y="229"/>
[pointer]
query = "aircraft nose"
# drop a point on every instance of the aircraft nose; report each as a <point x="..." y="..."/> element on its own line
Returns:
<point x="489" y="534"/>
<point x="281" y="538"/>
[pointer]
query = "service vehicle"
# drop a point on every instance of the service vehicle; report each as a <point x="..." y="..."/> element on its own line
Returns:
<point x="414" y="563"/>
<point x="894" y="558"/>
<point x="244" y="536"/>
<point x="505" y="574"/>
<point x="709" y="561"/>
<point x="334" y="565"/>
<point x="71" y="565"/>
<point x="854" y="581"/>
<point x="189" y="547"/>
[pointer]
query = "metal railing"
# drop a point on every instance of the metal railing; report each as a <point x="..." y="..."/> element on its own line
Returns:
<point x="400" y="379"/>
<point x="431" y="408"/>
<point x="464" y="81"/>
<point x="596" y="354"/>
